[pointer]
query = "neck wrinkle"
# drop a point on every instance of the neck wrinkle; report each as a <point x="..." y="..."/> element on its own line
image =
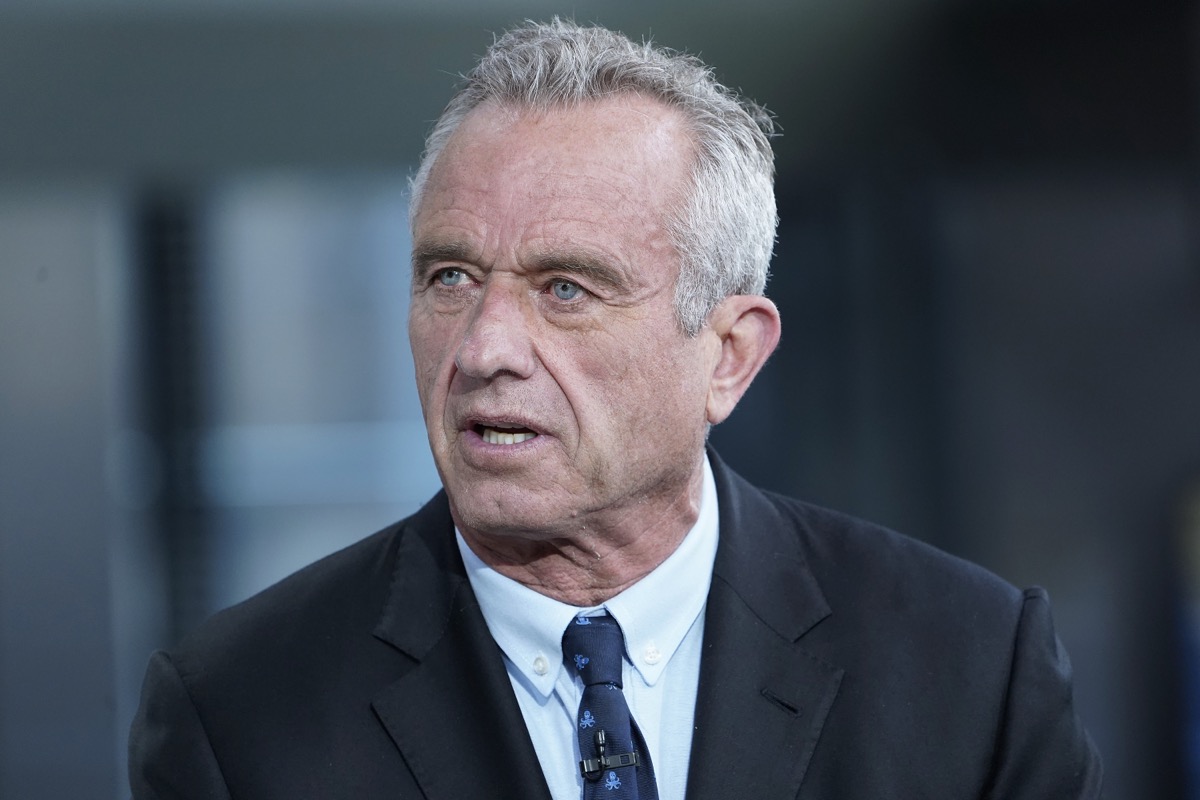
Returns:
<point x="588" y="568"/>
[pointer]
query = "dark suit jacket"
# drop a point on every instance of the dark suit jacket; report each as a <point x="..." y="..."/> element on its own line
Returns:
<point x="841" y="660"/>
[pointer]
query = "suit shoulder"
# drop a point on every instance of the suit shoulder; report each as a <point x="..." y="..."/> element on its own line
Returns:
<point x="857" y="560"/>
<point x="345" y="588"/>
<point x="289" y="675"/>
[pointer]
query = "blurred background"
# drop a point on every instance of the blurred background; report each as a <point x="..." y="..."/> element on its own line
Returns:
<point x="988" y="270"/>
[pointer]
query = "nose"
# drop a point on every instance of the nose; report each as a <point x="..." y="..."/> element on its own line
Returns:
<point x="498" y="340"/>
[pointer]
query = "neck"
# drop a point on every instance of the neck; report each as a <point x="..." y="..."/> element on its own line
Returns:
<point x="595" y="560"/>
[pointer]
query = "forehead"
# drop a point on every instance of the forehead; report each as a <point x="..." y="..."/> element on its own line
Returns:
<point x="627" y="153"/>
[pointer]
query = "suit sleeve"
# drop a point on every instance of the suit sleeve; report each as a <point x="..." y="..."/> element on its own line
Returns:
<point x="1043" y="750"/>
<point x="170" y="756"/>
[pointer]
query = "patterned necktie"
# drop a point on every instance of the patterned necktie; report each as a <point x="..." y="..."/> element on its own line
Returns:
<point x="615" y="762"/>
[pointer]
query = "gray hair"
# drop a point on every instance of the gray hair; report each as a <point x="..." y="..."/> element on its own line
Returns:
<point x="724" y="230"/>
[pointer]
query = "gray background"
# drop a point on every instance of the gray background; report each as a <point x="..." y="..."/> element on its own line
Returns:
<point x="987" y="269"/>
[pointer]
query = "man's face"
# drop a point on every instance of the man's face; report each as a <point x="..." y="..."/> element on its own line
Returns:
<point x="559" y="391"/>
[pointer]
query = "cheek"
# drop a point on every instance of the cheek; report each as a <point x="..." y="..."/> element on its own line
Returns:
<point x="671" y="380"/>
<point x="430" y="349"/>
<point x="635" y="380"/>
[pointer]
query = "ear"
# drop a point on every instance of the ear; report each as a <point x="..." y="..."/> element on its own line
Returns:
<point x="747" y="327"/>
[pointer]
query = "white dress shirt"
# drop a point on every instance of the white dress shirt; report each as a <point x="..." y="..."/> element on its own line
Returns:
<point x="661" y="617"/>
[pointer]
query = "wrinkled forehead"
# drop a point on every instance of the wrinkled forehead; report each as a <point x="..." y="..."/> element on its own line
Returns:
<point x="594" y="185"/>
<point x="637" y="130"/>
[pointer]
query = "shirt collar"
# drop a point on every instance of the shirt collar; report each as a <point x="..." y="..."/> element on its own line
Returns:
<point x="654" y="614"/>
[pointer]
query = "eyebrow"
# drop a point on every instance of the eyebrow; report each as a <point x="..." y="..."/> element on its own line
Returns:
<point x="585" y="266"/>
<point x="426" y="256"/>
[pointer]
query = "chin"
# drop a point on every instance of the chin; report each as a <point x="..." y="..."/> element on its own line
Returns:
<point x="503" y="510"/>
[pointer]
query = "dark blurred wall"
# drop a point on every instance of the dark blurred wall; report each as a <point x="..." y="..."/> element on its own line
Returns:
<point x="991" y="298"/>
<point x="57" y="675"/>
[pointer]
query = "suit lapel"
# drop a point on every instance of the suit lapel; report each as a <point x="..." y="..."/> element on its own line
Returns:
<point x="452" y="713"/>
<point x="762" y="699"/>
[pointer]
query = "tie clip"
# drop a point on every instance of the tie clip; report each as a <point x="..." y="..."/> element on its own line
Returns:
<point x="593" y="767"/>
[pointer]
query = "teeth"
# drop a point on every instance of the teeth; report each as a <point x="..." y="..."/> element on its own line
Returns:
<point x="493" y="436"/>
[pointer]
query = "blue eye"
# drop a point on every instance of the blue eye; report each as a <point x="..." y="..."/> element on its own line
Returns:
<point x="565" y="290"/>
<point x="451" y="277"/>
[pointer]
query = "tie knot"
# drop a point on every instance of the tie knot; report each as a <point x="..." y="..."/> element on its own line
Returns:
<point x="594" y="648"/>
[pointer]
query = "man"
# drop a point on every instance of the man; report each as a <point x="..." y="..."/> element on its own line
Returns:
<point x="596" y="606"/>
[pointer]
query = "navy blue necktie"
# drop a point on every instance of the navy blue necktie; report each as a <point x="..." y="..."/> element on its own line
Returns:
<point x="615" y="762"/>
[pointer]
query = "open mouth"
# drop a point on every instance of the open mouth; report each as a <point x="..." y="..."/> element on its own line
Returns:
<point x="499" y="433"/>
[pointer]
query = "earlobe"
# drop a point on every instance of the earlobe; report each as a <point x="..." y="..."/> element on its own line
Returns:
<point x="748" y="329"/>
